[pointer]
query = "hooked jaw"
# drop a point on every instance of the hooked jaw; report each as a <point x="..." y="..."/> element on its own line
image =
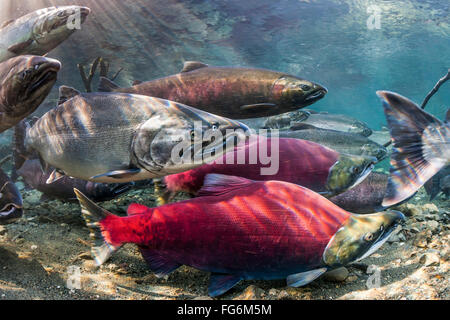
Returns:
<point x="317" y="93"/>
<point x="10" y="214"/>
<point x="46" y="71"/>
<point x="360" y="236"/>
<point x="348" y="172"/>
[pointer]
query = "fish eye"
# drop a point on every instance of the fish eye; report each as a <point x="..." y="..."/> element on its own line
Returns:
<point x="305" y="87"/>
<point x="192" y="133"/>
<point x="215" y="126"/>
<point x="356" y="170"/>
<point x="368" y="237"/>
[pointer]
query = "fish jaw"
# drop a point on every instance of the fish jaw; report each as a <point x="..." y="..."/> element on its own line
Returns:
<point x="360" y="236"/>
<point x="11" y="204"/>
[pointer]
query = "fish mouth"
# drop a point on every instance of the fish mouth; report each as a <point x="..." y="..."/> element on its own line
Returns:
<point x="10" y="213"/>
<point x="379" y="243"/>
<point x="364" y="175"/>
<point x="319" y="94"/>
<point x="48" y="73"/>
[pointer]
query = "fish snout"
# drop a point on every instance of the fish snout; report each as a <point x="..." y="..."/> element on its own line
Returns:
<point x="42" y="63"/>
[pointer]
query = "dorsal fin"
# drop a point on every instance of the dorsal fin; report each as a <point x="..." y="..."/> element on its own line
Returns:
<point x="6" y="23"/>
<point x="193" y="65"/>
<point x="297" y="126"/>
<point x="66" y="93"/>
<point x="107" y="85"/>
<point x="217" y="184"/>
<point x="137" y="82"/>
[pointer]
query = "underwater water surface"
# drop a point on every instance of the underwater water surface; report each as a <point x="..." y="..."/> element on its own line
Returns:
<point x="351" y="47"/>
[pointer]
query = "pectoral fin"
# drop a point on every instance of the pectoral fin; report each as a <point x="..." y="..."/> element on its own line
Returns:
<point x="302" y="279"/>
<point x="19" y="48"/>
<point x="257" y="106"/>
<point x="54" y="176"/>
<point x="221" y="283"/>
<point x="119" y="174"/>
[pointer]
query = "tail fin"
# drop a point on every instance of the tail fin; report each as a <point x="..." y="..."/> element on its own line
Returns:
<point x="107" y="85"/>
<point x="93" y="215"/>
<point x="420" y="146"/>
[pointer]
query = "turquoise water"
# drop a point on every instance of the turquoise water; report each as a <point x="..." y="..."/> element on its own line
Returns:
<point x="327" y="41"/>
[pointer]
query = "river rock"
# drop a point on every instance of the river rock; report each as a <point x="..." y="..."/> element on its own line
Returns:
<point x="336" y="275"/>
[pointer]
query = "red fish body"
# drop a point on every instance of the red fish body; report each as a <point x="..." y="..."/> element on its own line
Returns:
<point x="242" y="229"/>
<point x="261" y="230"/>
<point x="301" y="162"/>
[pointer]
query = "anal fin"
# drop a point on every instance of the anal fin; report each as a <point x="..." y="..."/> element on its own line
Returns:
<point x="160" y="265"/>
<point x="221" y="283"/>
<point x="303" y="278"/>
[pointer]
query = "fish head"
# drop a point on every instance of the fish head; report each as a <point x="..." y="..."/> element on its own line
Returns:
<point x="373" y="149"/>
<point x="26" y="82"/>
<point x="360" y="236"/>
<point x="348" y="172"/>
<point x="360" y="128"/>
<point x="185" y="138"/>
<point x="297" y="93"/>
<point x="54" y="25"/>
<point x="11" y="207"/>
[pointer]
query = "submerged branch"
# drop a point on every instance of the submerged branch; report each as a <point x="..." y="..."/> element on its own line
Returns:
<point x="435" y="89"/>
<point x="87" y="80"/>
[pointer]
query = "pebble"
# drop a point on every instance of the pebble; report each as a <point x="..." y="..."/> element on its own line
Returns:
<point x="203" y="298"/>
<point x="251" y="293"/>
<point x="430" y="258"/>
<point x="421" y="239"/>
<point x="410" y="209"/>
<point x="433" y="226"/>
<point x="430" y="208"/>
<point x="336" y="275"/>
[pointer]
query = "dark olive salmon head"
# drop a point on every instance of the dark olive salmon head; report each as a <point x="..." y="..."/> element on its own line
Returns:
<point x="293" y="92"/>
<point x="11" y="207"/>
<point x="187" y="138"/>
<point x="25" y="83"/>
<point x="40" y="31"/>
<point x="360" y="236"/>
<point x="348" y="172"/>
